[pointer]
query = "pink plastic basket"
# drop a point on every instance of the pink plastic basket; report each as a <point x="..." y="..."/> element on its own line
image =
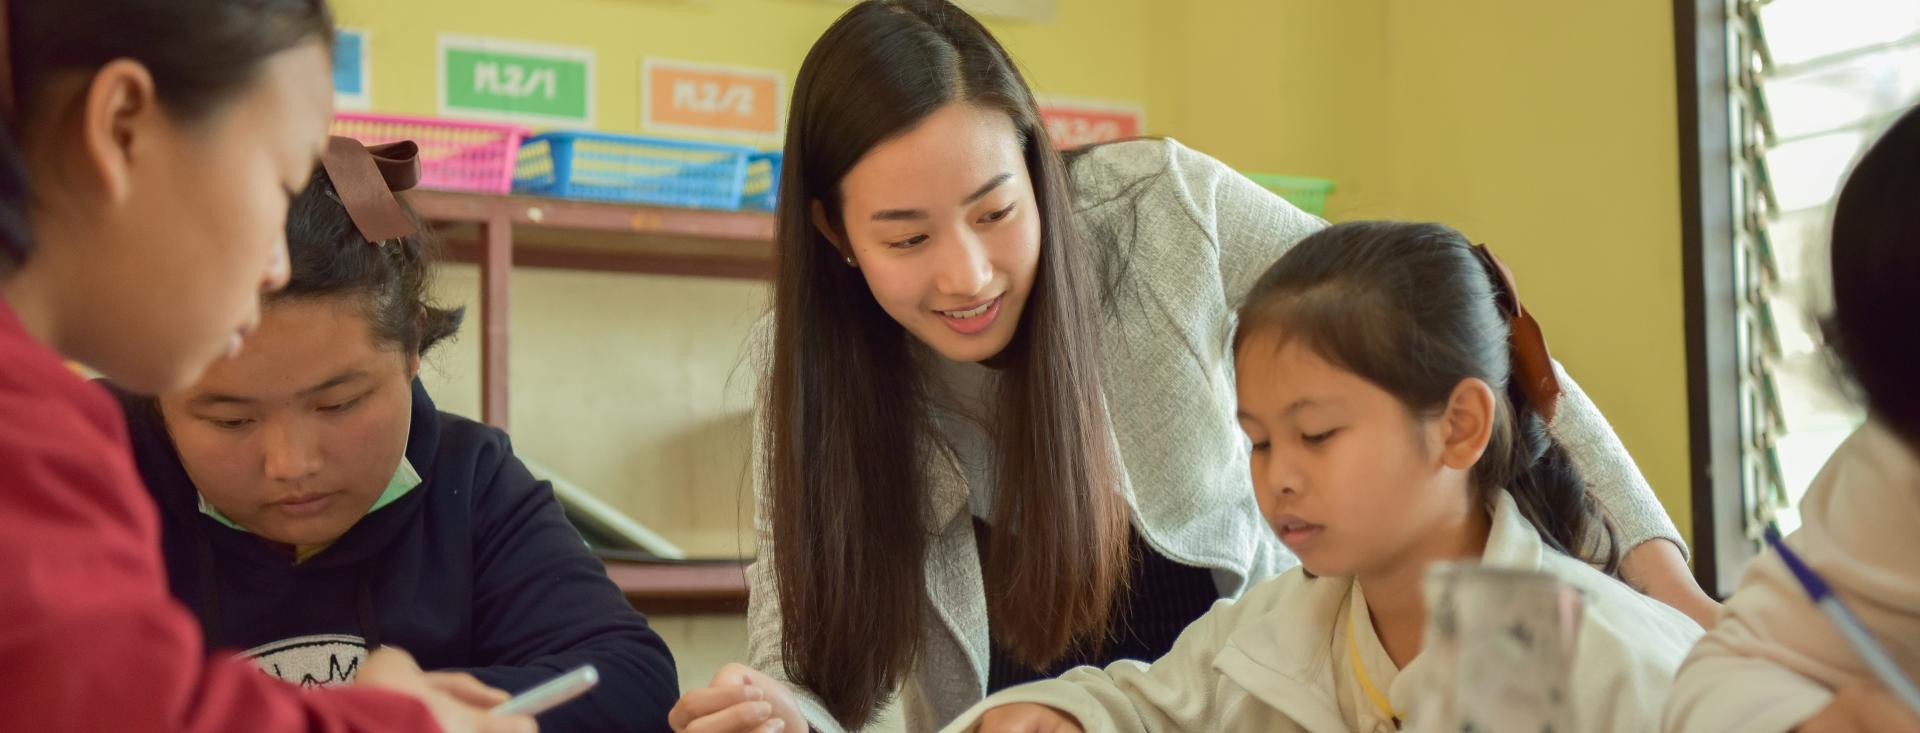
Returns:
<point x="455" y="155"/>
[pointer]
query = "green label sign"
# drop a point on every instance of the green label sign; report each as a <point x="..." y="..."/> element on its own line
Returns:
<point x="507" y="79"/>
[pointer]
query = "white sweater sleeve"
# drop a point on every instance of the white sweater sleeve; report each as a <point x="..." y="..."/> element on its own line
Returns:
<point x="1611" y="475"/>
<point x="1249" y="226"/>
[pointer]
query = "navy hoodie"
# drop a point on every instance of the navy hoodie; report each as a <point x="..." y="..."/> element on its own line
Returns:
<point x="476" y="570"/>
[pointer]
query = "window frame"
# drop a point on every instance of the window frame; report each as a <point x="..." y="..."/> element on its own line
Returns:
<point x="1721" y="548"/>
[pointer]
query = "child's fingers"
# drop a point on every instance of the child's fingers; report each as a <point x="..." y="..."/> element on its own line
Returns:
<point x="507" y="724"/>
<point x="467" y="689"/>
<point x="388" y="667"/>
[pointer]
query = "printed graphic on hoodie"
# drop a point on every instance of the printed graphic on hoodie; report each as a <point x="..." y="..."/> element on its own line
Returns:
<point x="322" y="660"/>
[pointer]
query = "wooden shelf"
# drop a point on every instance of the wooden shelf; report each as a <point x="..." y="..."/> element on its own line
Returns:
<point x="572" y="214"/>
<point x="499" y="232"/>
<point x="585" y="235"/>
<point x="679" y="588"/>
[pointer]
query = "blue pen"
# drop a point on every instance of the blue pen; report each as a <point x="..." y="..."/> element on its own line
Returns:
<point x="1849" y="624"/>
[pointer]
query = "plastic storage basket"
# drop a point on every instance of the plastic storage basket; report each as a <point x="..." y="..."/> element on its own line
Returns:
<point x="763" y="182"/>
<point x="630" y="168"/>
<point x="455" y="155"/>
<point x="1310" y="194"/>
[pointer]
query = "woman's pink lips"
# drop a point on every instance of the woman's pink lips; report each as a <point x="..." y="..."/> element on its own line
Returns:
<point x="976" y="324"/>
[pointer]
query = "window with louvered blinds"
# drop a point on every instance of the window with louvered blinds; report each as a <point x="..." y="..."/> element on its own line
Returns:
<point x="1814" y="81"/>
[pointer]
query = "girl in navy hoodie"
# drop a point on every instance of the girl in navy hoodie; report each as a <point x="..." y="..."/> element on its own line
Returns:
<point x="316" y="505"/>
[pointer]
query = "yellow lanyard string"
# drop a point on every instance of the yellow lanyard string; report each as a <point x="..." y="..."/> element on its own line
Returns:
<point x="1366" y="683"/>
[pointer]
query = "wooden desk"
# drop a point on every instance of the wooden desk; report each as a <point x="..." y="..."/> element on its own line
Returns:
<point x="682" y="588"/>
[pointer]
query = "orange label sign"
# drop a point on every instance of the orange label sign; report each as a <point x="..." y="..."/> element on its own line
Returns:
<point x="1072" y="124"/>
<point x="700" y="99"/>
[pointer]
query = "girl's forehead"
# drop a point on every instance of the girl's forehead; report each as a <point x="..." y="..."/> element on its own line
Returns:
<point x="301" y="343"/>
<point x="1270" y="369"/>
<point x="1275" y="376"/>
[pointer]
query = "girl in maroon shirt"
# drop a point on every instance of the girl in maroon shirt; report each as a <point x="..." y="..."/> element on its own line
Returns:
<point x="148" y="149"/>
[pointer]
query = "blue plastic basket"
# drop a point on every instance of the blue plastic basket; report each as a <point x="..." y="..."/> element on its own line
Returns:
<point x="763" y="182"/>
<point x="608" y="167"/>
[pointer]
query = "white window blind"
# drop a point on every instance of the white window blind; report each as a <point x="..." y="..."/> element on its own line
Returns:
<point x="1814" y="81"/>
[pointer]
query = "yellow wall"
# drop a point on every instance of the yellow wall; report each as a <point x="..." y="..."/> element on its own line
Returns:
<point x="1550" y="132"/>
<point x="1279" y="86"/>
<point x="1547" y="130"/>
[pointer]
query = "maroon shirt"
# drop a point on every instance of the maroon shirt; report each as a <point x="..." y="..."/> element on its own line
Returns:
<point x="90" y="637"/>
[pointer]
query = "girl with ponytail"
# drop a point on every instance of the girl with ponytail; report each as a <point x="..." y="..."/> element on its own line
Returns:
<point x="1397" y="399"/>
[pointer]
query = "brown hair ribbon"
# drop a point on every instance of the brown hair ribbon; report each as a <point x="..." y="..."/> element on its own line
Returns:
<point x="366" y="179"/>
<point x="1532" y="365"/>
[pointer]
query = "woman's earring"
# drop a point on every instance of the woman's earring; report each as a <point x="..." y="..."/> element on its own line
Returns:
<point x="850" y="262"/>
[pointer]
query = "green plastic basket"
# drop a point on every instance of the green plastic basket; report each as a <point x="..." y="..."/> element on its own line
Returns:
<point x="1310" y="194"/>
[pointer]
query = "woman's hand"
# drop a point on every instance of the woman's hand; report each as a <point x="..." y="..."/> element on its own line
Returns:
<point x="740" y="699"/>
